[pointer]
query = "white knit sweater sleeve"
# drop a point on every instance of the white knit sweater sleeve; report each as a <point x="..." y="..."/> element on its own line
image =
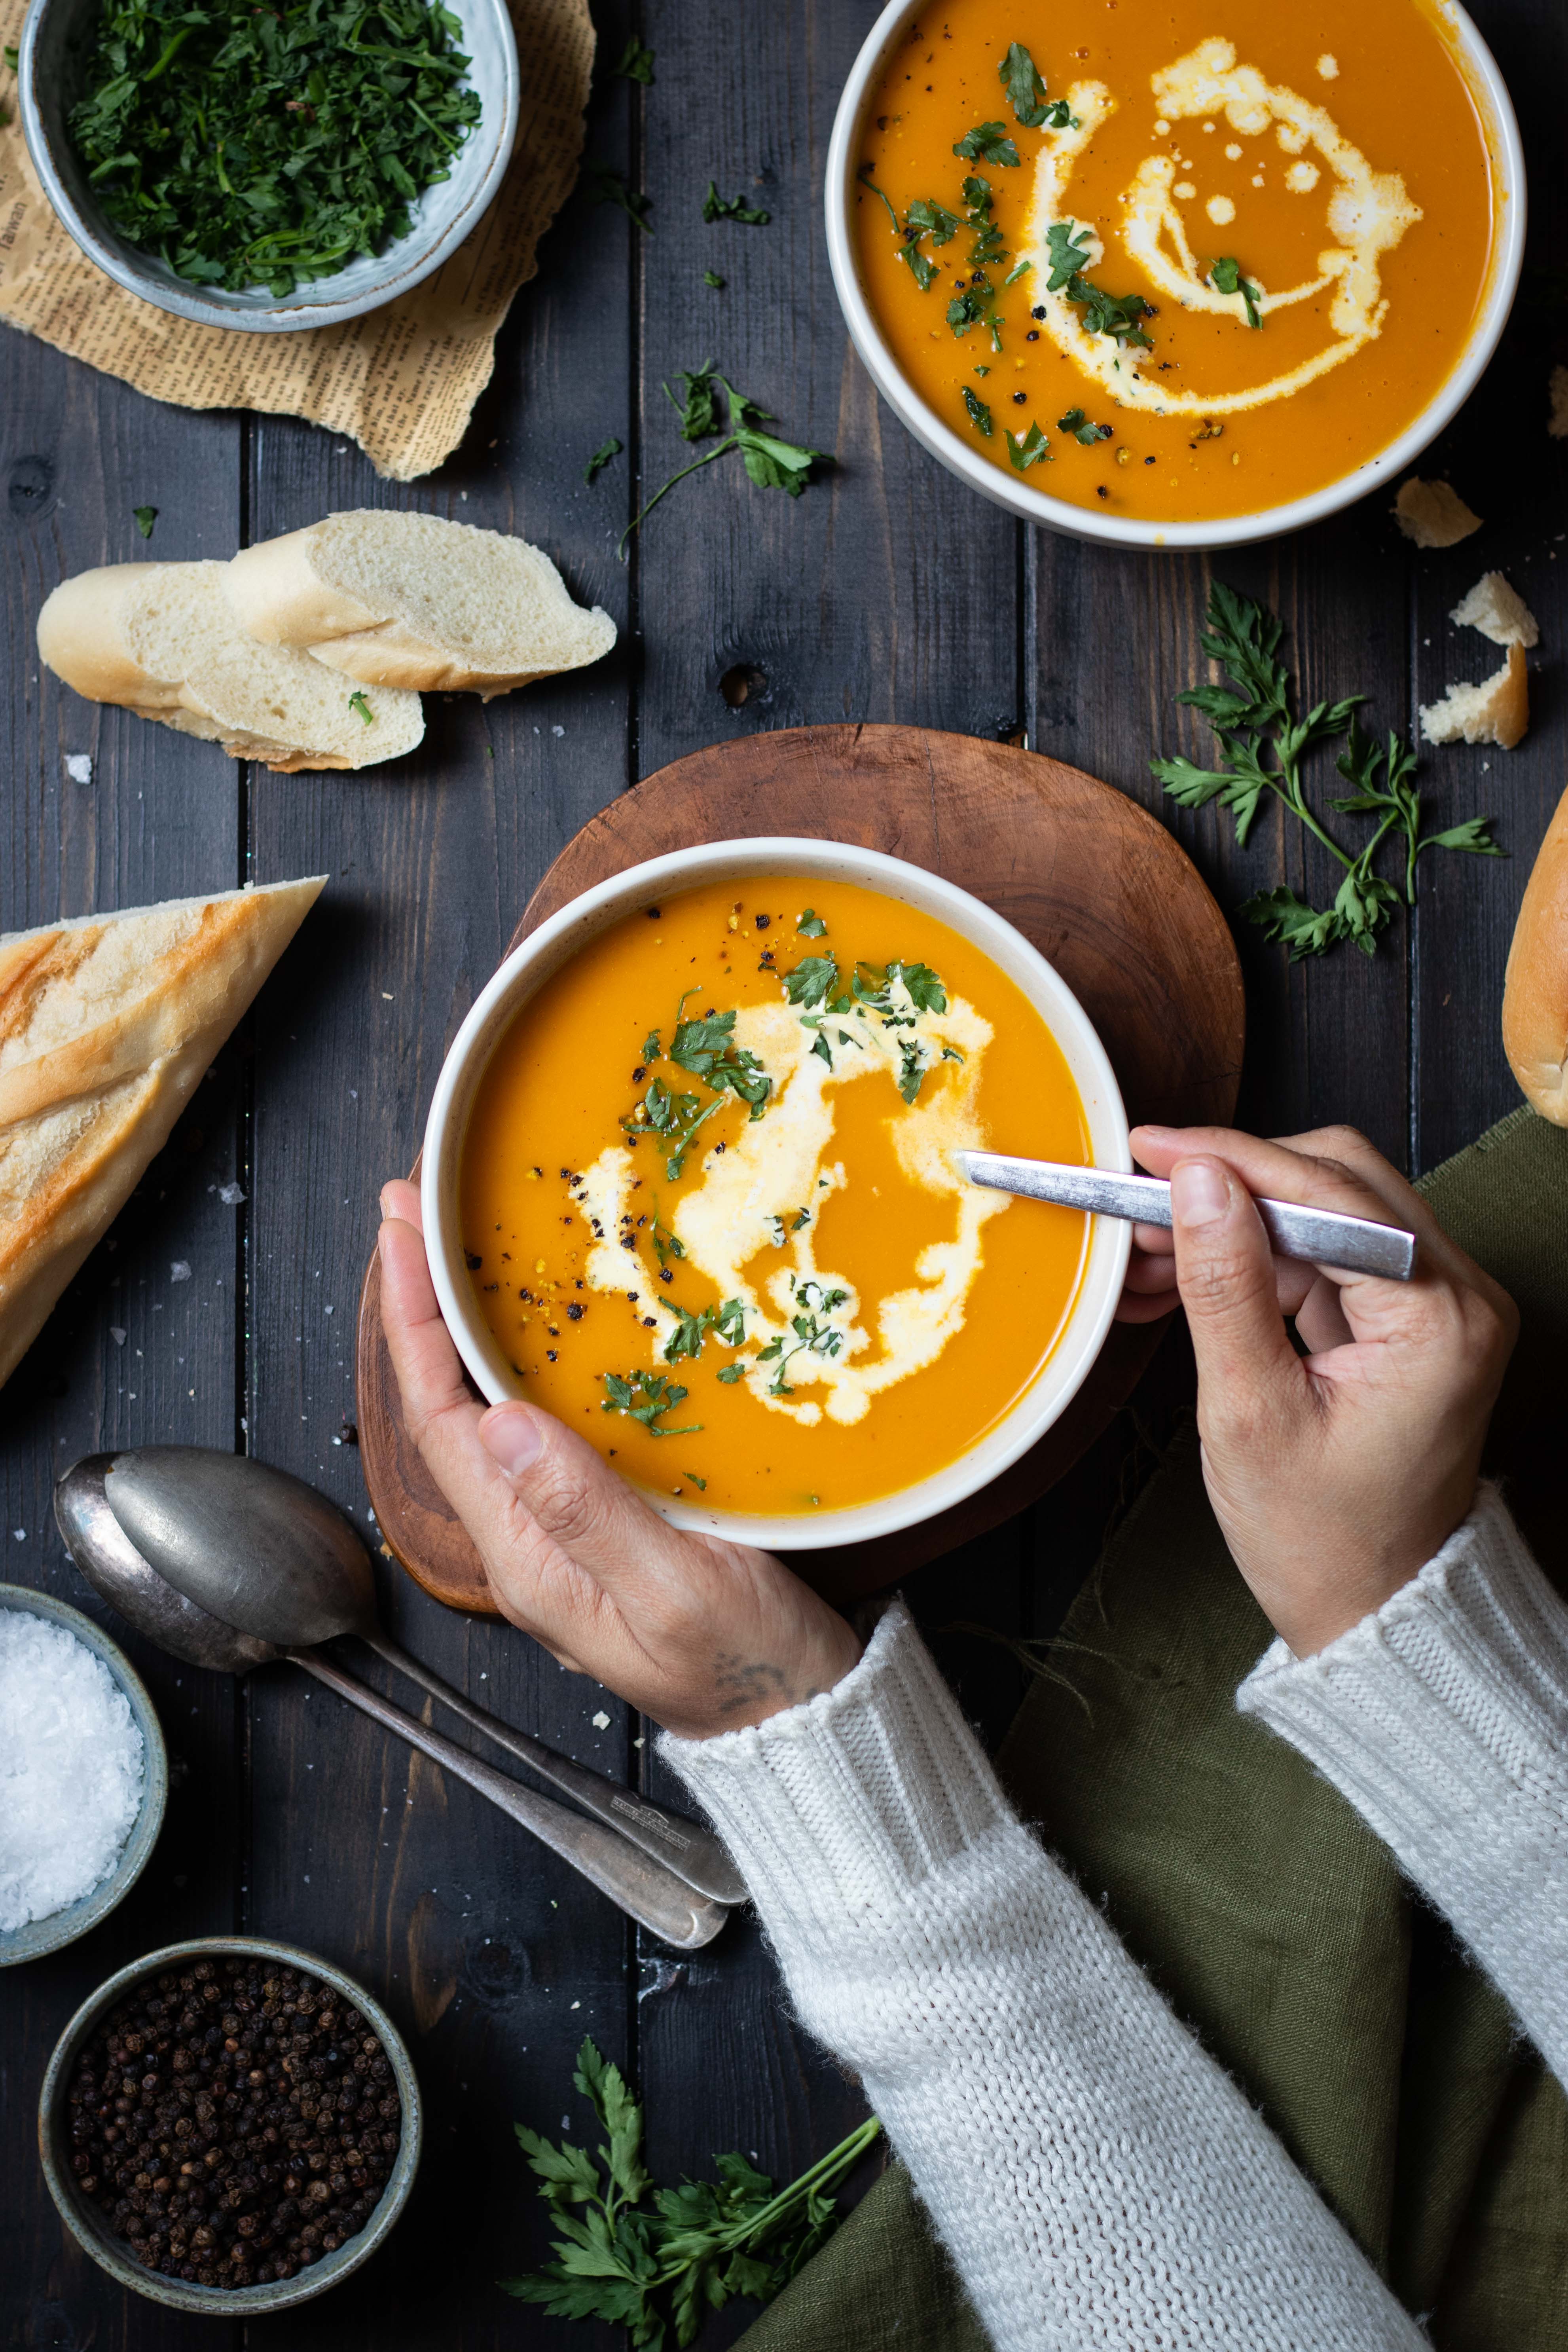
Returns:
<point x="1099" y="2181"/>
<point x="1444" y="1719"/>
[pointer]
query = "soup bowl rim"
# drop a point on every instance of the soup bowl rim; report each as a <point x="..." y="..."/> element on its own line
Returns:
<point x="1019" y="497"/>
<point x="556" y="940"/>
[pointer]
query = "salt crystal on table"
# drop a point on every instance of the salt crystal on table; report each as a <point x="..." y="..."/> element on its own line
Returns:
<point x="78" y="767"/>
<point x="601" y="1721"/>
<point x="231" y="1195"/>
<point x="71" y="1768"/>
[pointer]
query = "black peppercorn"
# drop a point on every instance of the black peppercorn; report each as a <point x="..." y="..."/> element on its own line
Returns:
<point x="218" y="2185"/>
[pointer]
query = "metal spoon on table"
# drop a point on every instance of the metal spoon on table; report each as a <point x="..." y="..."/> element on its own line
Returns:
<point x="115" y="1567"/>
<point x="269" y="1554"/>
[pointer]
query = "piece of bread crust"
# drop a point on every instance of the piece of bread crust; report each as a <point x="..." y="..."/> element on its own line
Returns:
<point x="1499" y="612"/>
<point x="1557" y="412"/>
<point x="161" y="639"/>
<point x="394" y="598"/>
<point x="1433" y="513"/>
<point x="1535" y="986"/>
<point x="107" y="1025"/>
<point x="1495" y="712"/>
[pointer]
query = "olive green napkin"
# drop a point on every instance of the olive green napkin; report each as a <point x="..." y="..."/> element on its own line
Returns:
<point x="1273" y="1920"/>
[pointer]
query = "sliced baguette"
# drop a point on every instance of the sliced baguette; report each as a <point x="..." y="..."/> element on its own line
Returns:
<point x="410" y="599"/>
<point x="162" y="640"/>
<point x="1495" y="712"/>
<point x="106" y="1024"/>
<point x="1535" y="986"/>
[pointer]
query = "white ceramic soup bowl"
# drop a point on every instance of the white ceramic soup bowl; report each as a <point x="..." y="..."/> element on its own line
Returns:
<point x="555" y="942"/>
<point x="1017" y="494"/>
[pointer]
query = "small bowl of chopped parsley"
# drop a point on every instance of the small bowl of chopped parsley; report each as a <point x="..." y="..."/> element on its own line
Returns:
<point x="269" y="168"/>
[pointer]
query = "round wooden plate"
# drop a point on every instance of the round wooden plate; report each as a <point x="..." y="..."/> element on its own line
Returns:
<point x="1097" y="884"/>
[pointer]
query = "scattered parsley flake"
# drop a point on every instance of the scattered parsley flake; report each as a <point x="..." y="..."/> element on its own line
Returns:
<point x="361" y="708"/>
<point x="601" y="459"/>
<point x="146" y="518"/>
<point x="637" y="63"/>
<point x="716" y="207"/>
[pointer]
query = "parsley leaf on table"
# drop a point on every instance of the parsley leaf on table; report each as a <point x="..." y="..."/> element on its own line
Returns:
<point x="716" y="207"/>
<point x="609" y="187"/>
<point x="650" y="2259"/>
<point x="144" y="517"/>
<point x="712" y="278"/>
<point x="1265" y="745"/>
<point x="637" y="62"/>
<point x="770" y="463"/>
<point x="601" y="459"/>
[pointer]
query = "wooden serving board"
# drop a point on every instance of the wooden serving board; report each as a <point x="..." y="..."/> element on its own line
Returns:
<point x="1097" y="884"/>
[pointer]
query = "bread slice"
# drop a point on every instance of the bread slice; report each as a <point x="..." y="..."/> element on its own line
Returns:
<point x="410" y="599"/>
<point x="1499" y="612"/>
<point x="1535" y="987"/>
<point x="162" y="640"/>
<point x="1495" y="712"/>
<point x="106" y="1024"/>
<point x="1433" y="513"/>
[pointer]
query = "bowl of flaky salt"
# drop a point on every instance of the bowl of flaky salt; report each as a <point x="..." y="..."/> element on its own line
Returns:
<point x="84" y="1774"/>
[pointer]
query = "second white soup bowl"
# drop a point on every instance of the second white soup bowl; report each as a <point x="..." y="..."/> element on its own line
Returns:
<point x="556" y="942"/>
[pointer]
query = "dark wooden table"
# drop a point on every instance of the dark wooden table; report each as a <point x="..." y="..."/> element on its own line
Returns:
<point x="887" y="592"/>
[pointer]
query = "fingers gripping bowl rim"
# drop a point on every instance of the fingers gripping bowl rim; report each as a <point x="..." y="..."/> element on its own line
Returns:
<point x="1018" y="496"/>
<point x="556" y="942"/>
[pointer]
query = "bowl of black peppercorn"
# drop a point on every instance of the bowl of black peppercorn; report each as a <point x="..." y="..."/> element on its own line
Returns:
<point x="229" y="2126"/>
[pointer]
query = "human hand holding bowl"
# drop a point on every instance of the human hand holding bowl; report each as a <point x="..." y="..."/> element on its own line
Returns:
<point x="704" y="1635"/>
<point x="1335" y="1475"/>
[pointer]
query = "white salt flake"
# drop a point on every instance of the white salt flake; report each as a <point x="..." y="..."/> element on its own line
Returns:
<point x="116" y="1335"/>
<point x="180" y="1271"/>
<point x="558" y="730"/>
<point x="78" y="767"/>
<point x="71" y="1767"/>
<point x="231" y="1195"/>
<point x="601" y="1721"/>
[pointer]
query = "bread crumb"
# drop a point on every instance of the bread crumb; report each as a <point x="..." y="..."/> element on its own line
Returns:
<point x="1557" y="386"/>
<point x="1499" y="612"/>
<point x="1495" y="712"/>
<point x="1433" y="514"/>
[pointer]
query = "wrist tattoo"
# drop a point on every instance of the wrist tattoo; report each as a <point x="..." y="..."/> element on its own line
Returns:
<point x="739" y="1681"/>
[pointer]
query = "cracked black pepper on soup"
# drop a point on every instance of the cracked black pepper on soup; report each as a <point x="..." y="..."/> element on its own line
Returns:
<point x="234" y="2121"/>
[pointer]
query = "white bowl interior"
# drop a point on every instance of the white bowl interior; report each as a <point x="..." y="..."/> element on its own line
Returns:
<point x="1017" y="495"/>
<point x="54" y="58"/>
<point x="543" y="954"/>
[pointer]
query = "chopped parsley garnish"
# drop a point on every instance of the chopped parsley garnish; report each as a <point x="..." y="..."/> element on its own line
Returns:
<point x="1253" y="719"/>
<point x="811" y="978"/>
<point x="810" y="924"/>
<point x="712" y="278"/>
<point x="651" y="1047"/>
<point x="979" y="414"/>
<point x="972" y="304"/>
<point x="912" y="1067"/>
<point x="1103" y="314"/>
<point x="145" y="516"/>
<point x="813" y="1335"/>
<point x="269" y="146"/>
<point x="1226" y="277"/>
<point x="601" y="459"/>
<point x="716" y="207"/>
<point x="609" y="187"/>
<point x="701" y="1484"/>
<point x="705" y="1049"/>
<point x="732" y="1373"/>
<point x="658" y="1394"/>
<point x="772" y="464"/>
<point x="727" y="1321"/>
<point x="1027" y="449"/>
<point x="1076" y="423"/>
<point x="361" y="708"/>
<point x="1021" y="79"/>
<point x="987" y="143"/>
<point x="663" y="1242"/>
<point x="637" y="62"/>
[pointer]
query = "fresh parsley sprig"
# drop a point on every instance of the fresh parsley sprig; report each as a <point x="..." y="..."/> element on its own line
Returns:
<point x="772" y="464"/>
<point x="814" y="1335"/>
<point x="654" y="2260"/>
<point x="1265" y="744"/>
<point x="637" y="62"/>
<point x="987" y="143"/>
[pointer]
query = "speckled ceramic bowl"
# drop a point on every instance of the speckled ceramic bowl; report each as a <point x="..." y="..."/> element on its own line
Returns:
<point x="52" y="66"/>
<point x="41" y="1935"/>
<point x="87" y="2224"/>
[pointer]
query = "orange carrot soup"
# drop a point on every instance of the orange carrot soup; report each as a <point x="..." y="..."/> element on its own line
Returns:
<point x="709" y="1207"/>
<point x="1171" y="258"/>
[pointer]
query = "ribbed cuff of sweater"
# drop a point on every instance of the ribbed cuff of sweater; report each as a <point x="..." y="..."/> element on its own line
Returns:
<point x="1444" y="1719"/>
<point x="839" y="1807"/>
